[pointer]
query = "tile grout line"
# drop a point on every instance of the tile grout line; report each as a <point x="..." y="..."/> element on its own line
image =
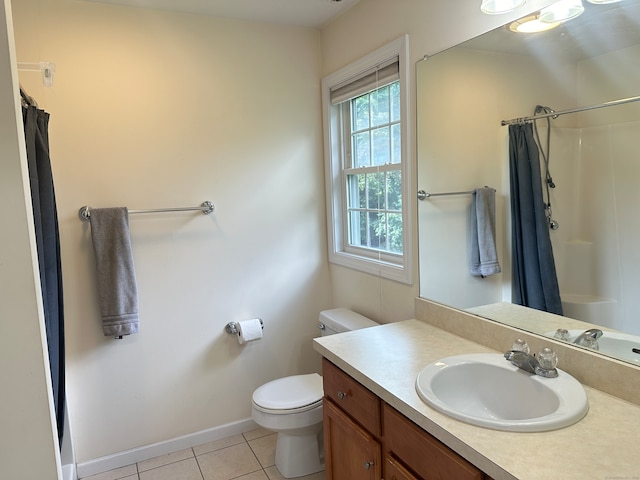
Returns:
<point x="245" y="441"/>
<point x="169" y="463"/>
<point x="254" y="456"/>
<point x="198" y="463"/>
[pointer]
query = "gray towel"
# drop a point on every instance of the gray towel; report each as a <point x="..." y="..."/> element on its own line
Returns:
<point x="117" y="290"/>
<point x="484" y="257"/>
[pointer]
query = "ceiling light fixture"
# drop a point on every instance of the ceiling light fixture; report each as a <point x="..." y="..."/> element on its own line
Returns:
<point x="531" y="24"/>
<point x="600" y="2"/>
<point x="493" y="7"/>
<point x="561" y="11"/>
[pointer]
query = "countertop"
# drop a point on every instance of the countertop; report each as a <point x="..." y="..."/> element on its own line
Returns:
<point x="386" y="359"/>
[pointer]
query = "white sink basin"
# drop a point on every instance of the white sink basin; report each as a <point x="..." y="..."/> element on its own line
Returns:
<point x="488" y="391"/>
<point x="616" y="344"/>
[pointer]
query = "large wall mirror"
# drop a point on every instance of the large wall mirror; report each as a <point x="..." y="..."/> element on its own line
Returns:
<point x="463" y="96"/>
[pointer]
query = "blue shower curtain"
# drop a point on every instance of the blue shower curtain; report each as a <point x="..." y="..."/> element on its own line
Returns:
<point x="36" y="129"/>
<point x="535" y="283"/>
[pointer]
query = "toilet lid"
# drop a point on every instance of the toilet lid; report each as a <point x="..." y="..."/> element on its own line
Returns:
<point x="289" y="392"/>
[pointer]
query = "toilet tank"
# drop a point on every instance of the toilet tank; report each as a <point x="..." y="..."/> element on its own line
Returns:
<point x="339" y="320"/>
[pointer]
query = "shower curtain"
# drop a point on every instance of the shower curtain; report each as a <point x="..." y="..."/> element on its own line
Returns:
<point x="36" y="124"/>
<point x="535" y="283"/>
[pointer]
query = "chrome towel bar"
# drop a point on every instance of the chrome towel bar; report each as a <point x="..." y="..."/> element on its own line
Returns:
<point x="422" y="195"/>
<point x="206" y="207"/>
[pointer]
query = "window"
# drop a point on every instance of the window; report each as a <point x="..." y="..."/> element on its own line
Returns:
<point x="367" y="166"/>
<point x="373" y="170"/>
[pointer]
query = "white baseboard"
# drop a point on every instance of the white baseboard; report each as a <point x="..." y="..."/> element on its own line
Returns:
<point x="139" y="454"/>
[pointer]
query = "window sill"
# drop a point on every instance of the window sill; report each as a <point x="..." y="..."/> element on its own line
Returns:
<point x="392" y="271"/>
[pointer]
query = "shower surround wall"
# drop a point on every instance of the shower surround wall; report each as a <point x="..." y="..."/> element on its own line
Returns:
<point x="154" y="109"/>
<point x="595" y="165"/>
<point x="596" y="204"/>
<point x="586" y="246"/>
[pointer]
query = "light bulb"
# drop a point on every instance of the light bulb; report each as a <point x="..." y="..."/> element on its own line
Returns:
<point x="561" y="11"/>
<point x="500" y="6"/>
<point x="531" y="24"/>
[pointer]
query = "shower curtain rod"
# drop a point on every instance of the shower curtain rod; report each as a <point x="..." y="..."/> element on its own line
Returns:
<point x="206" y="207"/>
<point x="554" y="115"/>
<point x="47" y="69"/>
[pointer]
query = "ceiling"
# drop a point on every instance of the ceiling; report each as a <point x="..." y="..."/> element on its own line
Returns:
<point x="600" y="29"/>
<point x="305" y="13"/>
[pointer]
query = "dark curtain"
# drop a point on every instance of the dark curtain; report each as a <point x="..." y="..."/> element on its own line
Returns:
<point x="36" y="125"/>
<point x="535" y="283"/>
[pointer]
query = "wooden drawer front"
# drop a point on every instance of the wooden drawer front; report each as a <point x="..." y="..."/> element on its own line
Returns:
<point x="394" y="470"/>
<point x="427" y="456"/>
<point x="352" y="397"/>
<point x="350" y="452"/>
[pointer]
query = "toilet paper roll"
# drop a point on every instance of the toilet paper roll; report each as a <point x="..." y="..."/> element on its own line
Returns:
<point x="249" y="330"/>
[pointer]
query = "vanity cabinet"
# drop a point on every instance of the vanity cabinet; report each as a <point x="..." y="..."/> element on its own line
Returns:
<point x="352" y="428"/>
<point x="424" y="454"/>
<point x="355" y="454"/>
<point x="394" y="470"/>
<point x="360" y="430"/>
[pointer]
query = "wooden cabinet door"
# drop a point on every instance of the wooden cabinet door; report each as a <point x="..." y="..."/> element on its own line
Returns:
<point x="423" y="453"/>
<point x="350" y="452"/>
<point x="394" y="470"/>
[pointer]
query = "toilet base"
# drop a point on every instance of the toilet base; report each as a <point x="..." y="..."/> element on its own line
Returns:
<point x="299" y="454"/>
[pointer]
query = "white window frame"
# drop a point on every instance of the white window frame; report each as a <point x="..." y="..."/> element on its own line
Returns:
<point x="395" y="267"/>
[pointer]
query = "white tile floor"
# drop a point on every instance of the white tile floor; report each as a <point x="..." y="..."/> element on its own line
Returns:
<point x="249" y="456"/>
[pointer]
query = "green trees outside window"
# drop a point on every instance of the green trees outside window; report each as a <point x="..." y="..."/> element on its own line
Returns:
<point x="374" y="179"/>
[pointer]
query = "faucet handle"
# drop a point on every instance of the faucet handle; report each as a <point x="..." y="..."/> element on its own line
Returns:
<point x="562" y="334"/>
<point x="520" y="345"/>
<point x="547" y="358"/>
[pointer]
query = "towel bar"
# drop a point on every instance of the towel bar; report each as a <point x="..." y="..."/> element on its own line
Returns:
<point x="206" y="207"/>
<point x="422" y="195"/>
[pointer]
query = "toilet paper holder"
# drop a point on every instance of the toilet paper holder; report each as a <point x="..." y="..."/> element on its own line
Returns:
<point x="232" y="327"/>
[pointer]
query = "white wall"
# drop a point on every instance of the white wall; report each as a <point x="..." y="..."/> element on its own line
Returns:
<point x="432" y="26"/>
<point x="154" y="109"/>
<point x="28" y="438"/>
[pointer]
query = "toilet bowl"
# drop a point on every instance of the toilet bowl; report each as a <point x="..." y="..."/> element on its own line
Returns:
<point x="292" y="406"/>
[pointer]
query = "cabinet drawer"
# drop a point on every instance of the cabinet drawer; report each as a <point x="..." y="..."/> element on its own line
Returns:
<point x="352" y="397"/>
<point x="427" y="456"/>
<point x="394" y="470"/>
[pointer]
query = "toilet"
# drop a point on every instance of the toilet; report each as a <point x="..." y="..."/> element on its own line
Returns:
<point x="292" y="406"/>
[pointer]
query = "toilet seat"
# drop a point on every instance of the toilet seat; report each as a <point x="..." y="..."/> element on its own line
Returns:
<point x="298" y="393"/>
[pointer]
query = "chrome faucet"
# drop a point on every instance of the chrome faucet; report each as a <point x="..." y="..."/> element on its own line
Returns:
<point x="545" y="367"/>
<point x="588" y="338"/>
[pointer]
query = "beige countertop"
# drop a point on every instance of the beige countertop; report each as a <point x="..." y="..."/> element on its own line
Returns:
<point x="605" y="445"/>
